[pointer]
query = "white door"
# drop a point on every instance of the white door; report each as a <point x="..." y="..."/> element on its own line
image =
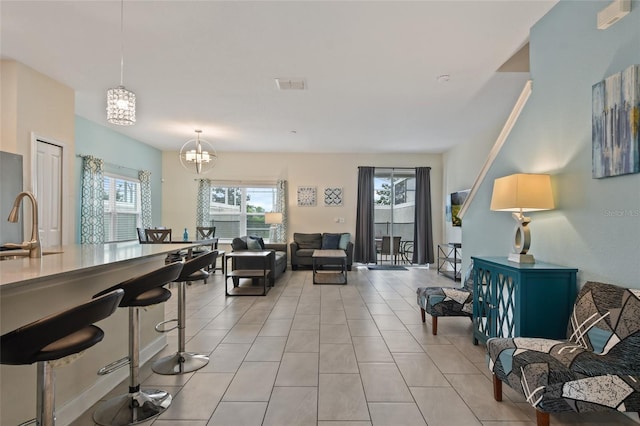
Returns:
<point x="49" y="193"/>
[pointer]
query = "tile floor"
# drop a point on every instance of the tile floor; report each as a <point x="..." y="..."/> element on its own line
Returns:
<point x="330" y="355"/>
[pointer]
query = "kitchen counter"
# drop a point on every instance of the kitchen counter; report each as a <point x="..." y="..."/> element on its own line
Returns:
<point x="33" y="288"/>
<point x="66" y="260"/>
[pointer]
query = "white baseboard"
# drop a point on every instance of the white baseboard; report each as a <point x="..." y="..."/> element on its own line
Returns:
<point x="73" y="409"/>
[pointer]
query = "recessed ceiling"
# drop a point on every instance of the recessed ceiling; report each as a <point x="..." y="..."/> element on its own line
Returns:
<point x="369" y="68"/>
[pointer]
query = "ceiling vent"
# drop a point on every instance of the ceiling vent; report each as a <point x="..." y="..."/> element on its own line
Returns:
<point x="611" y="14"/>
<point x="290" y="84"/>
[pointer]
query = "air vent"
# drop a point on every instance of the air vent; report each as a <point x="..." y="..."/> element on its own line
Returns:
<point x="611" y="14"/>
<point x="290" y="84"/>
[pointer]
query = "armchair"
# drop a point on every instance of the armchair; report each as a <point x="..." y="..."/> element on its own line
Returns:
<point x="596" y="368"/>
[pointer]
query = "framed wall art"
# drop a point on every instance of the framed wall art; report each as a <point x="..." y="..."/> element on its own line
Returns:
<point x="332" y="197"/>
<point x="306" y="196"/>
<point x="615" y="123"/>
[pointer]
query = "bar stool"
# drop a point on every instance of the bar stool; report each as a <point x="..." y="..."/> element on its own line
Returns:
<point x="138" y="405"/>
<point x="181" y="361"/>
<point x="65" y="335"/>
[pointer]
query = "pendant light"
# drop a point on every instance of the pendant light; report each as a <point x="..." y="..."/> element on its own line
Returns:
<point x="197" y="155"/>
<point x="121" y="103"/>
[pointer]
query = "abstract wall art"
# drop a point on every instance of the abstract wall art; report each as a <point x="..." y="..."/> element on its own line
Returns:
<point x="616" y="124"/>
<point x="332" y="197"/>
<point x="306" y="196"/>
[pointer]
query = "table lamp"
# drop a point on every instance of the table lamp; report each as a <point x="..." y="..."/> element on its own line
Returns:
<point x="521" y="193"/>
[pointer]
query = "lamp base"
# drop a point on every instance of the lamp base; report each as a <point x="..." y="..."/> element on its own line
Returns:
<point x="521" y="258"/>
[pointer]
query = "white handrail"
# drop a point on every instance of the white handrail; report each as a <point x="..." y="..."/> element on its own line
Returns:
<point x="502" y="137"/>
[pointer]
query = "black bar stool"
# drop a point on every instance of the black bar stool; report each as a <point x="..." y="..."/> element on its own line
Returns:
<point x="138" y="405"/>
<point x="181" y="361"/>
<point x="65" y="334"/>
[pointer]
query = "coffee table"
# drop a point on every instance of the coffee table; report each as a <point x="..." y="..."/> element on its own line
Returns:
<point x="330" y="258"/>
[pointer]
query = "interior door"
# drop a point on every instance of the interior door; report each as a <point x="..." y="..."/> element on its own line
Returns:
<point x="49" y="193"/>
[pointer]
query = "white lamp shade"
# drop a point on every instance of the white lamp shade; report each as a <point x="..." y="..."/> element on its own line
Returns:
<point x="522" y="192"/>
<point x="273" y="218"/>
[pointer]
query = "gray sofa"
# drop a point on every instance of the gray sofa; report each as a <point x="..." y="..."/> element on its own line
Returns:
<point x="278" y="260"/>
<point x="303" y="246"/>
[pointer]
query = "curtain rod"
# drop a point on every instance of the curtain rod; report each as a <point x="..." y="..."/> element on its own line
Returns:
<point x="106" y="163"/>
<point x="395" y="168"/>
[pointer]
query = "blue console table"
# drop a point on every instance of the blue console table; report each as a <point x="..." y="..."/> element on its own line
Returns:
<point x="521" y="300"/>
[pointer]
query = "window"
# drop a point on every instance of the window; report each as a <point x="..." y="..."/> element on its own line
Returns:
<point x="239" y="210"/>
<point x="122" y="212"/>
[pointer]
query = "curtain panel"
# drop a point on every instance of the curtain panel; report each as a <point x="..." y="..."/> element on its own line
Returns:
<point x="422" y="228"/>
<point x="92" y="202"/>
<point x="282" y="206"/>
<point x="365" y="248"/>
<point x="203" y="206"/>
<point x="145" y="198"/>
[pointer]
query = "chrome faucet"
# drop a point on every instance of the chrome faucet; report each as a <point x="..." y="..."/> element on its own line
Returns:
<point x="33" y="246"/>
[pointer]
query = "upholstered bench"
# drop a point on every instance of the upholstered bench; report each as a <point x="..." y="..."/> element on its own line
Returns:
<point x="596" y="368"/>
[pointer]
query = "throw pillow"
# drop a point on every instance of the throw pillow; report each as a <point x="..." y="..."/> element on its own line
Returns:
<point x="253" y="240"/>
<point x="344" y="240"/>
<point x="330" y="241"/>
<point x="253" y="244"/>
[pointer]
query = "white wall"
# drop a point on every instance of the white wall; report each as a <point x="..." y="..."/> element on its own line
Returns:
<point x="596" y="224"/>
<point x="179" y="188"/>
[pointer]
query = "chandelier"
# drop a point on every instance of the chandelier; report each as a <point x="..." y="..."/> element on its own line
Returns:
<point x="197" y="155"/>
<point x="121" y="103"/>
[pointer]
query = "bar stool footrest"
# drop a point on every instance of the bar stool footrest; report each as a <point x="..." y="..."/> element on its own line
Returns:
<point x="179" y="363"/>
<point x="159" y="325"/>
<point x="115" y="365"/>
<point x="132" y="408"/>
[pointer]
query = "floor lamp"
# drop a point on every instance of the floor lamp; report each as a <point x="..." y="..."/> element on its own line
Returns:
<point x="274" y="219"/>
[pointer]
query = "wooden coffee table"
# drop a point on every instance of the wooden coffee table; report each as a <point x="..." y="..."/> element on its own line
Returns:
<point x="330" y="258"/>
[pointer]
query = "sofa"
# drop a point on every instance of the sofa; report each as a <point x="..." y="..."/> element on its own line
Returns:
<point x="303" y="246"/>
<point x="596" y="368"/>
<point x="278" y="260"/>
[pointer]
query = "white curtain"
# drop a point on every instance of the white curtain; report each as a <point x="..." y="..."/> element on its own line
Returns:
<point x="92" y="203"/>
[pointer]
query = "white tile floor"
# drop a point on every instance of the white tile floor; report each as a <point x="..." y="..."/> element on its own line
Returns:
<point x="330" y="355"/>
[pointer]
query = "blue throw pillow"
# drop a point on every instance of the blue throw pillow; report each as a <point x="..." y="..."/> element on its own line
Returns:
<point x="344" y="240"/>
<point x="330" y="241"/>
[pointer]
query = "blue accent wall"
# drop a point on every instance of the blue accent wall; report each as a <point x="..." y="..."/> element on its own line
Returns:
<point x="596" y="224"/>
<point x="125" y="156"/>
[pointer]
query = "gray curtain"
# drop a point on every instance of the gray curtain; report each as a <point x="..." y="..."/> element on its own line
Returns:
<point x="145" y="190"/>
<point x="422" y="232"/>
<point x="203" y="206"/>
<point x="92" y="203"/>
<point x="365" y="248"/>
<point x="282" y="207"/>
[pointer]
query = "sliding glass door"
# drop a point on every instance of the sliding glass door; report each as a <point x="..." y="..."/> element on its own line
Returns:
<point x="394" y="212"/>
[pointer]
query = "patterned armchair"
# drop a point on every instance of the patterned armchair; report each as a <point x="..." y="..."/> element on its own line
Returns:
<point x="596" y="368"/>
<point x="446" y="301"/>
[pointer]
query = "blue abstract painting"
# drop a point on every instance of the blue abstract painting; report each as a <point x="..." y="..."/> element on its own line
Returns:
<point x="616" y="124"/>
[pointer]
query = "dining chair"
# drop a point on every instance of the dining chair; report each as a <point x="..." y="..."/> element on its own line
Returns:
<point x="155" y="235"/>
<point x="205" y="232"/>
<point x="385" y="247"/>
<point x="142" y="235"/>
